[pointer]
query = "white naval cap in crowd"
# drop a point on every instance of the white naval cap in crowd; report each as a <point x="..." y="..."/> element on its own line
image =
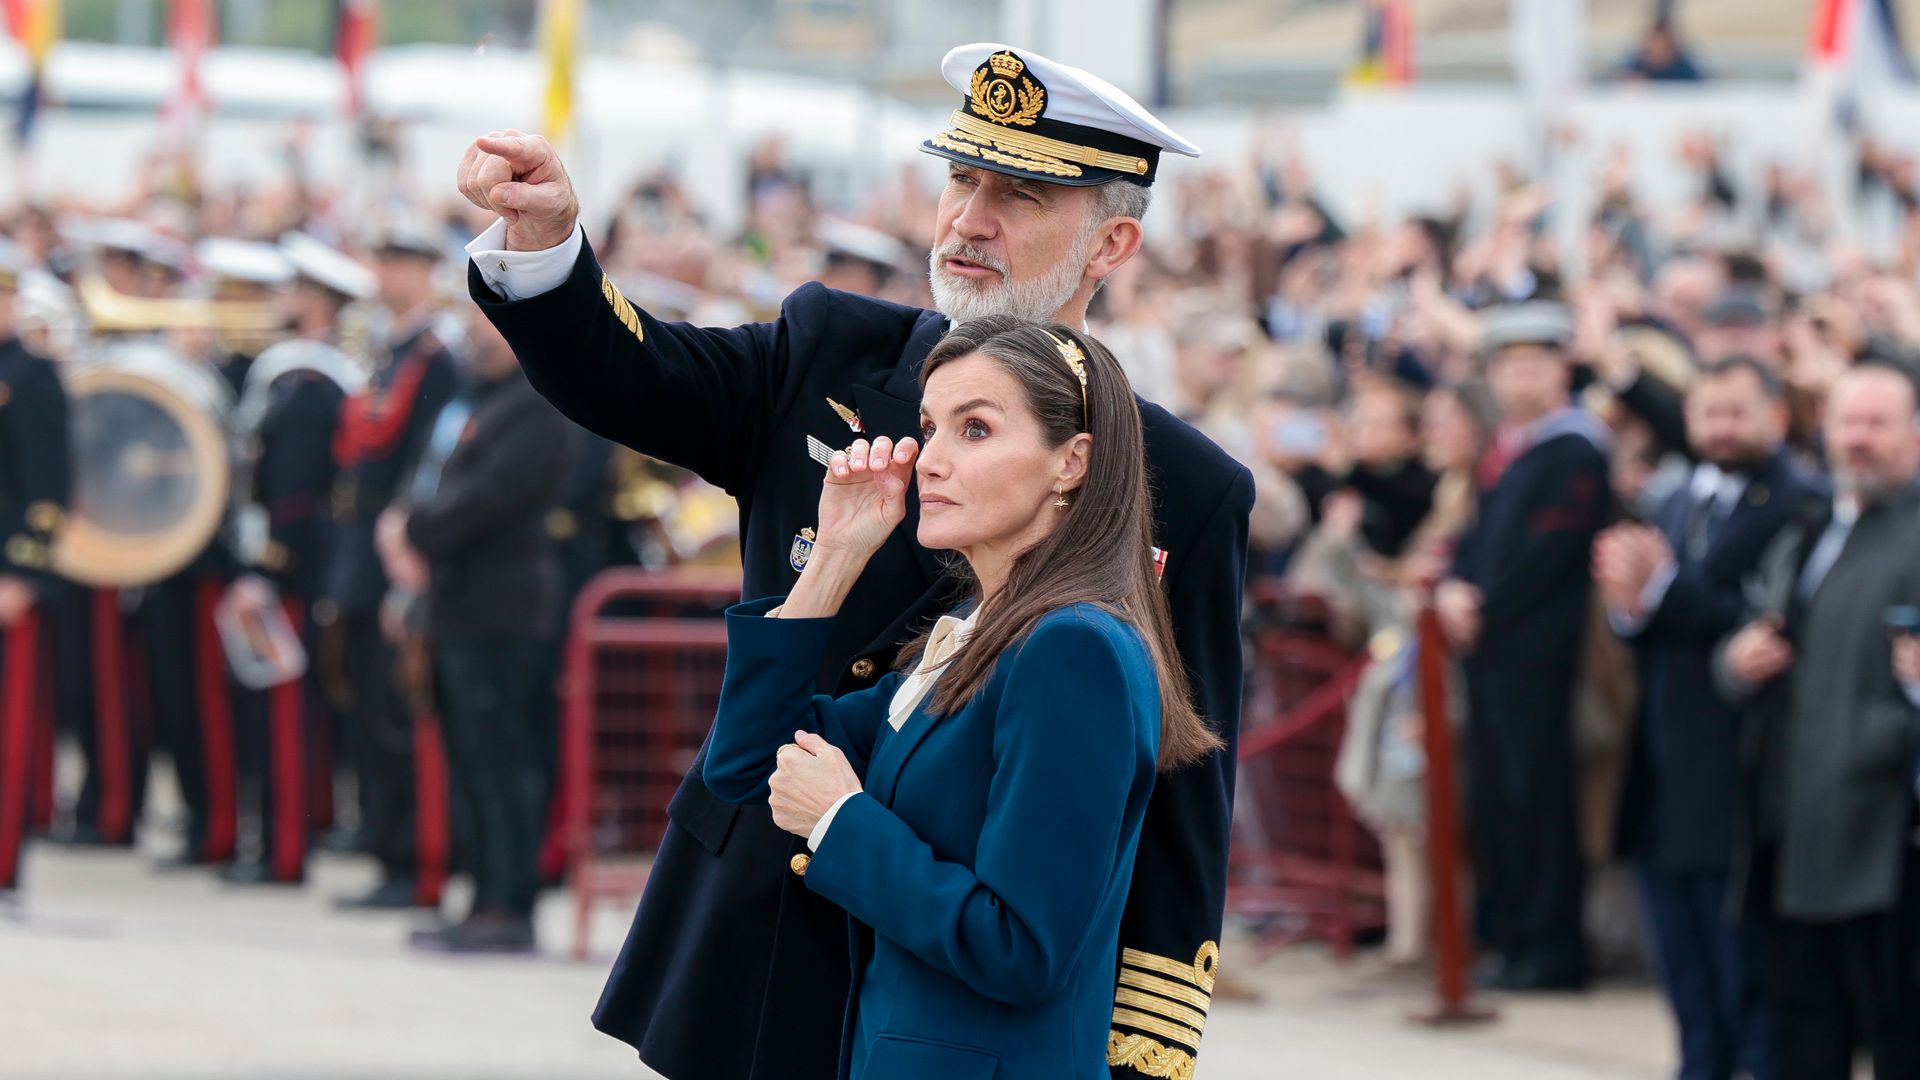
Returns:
<point x="253" y="261"/>
<point x="1531" y="322"/>
<point x="846" y="238"/>
<point x="1026" y="115"/>
<point x="323" y="265"/>
<point x="410" y="235"/>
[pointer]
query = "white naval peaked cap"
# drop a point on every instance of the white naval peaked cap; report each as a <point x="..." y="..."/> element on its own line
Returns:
<point x="323" y="265"/>
<point x="843" y="237"/>
<point x="1024" y="114"/>
<point x="252" y="261"/>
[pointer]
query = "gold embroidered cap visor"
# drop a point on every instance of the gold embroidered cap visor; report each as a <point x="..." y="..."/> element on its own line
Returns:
<point x="1024" y="115"/>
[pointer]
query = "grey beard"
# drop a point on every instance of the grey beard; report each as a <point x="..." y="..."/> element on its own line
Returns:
<point x="1040" y="300"/>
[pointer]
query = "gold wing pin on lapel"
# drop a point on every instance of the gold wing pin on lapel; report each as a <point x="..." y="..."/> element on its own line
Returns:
<point x="852" y="418"/>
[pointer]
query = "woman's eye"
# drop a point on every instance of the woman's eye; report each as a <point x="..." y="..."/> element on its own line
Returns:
<point x="926" y="432"/>
<point x="976" y="430"/>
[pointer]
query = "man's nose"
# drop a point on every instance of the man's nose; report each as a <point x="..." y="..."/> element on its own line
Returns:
<point x="975" y="220"/>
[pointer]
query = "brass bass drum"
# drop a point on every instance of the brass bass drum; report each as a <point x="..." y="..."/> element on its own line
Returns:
<point x="151" y="464"/>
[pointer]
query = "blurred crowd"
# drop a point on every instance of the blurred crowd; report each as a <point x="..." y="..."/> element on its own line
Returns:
<point x="1659" y="489"/>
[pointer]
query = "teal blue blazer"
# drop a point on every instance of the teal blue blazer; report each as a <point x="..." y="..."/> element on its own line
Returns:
<point x="986" y="861"/>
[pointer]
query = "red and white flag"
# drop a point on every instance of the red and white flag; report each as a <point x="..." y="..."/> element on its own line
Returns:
<point x="1853" y="50"/>
<point x="356" y="30"/>
<point x="190" y="33"/>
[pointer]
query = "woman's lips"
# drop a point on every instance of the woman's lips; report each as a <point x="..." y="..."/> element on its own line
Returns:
<point x="934" y="502"/>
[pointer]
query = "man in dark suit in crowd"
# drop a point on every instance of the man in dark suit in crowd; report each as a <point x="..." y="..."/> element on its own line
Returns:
<point x="733" y="968"/>
<point x="1673" y="588"/>
<point x="34" y="477"/>
<point x="1515" y="605"/>
<point x="476" y="514"/>
<point x="1827" y="851"/>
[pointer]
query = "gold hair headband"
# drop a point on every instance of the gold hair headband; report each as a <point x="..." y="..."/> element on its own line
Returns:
<point x="1077" y="360"/>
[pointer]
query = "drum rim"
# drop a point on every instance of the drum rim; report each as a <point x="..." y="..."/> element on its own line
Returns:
<point x="88" y="554"/>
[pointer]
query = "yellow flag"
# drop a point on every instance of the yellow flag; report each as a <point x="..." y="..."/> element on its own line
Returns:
<point x="559" y="42"/>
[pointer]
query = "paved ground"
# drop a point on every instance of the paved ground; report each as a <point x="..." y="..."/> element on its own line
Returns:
<point x="110" y="970"/>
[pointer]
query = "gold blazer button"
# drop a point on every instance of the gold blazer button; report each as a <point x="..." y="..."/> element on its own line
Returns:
<point x="799" y="864"/>
<point x="863" y="669"/>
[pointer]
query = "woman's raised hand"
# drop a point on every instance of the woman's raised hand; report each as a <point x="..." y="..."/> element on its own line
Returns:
<point x="865" y="495"/>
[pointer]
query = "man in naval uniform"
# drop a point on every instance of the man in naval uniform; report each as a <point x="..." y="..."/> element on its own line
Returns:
<point x="733" y="969"/>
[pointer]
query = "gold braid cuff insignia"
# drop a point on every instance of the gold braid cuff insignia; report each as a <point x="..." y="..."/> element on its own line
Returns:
<point x="621" y="308"/>
<point x="1148" y="1057"/>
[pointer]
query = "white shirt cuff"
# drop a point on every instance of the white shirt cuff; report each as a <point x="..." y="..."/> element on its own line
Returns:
<point x="1627" y="624"/>
<point x="819" y="832"/>
<point x="516" y="275"/>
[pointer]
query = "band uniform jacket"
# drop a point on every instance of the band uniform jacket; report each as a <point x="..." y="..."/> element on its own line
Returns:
<point x="985" y="862"/>
<point x="294" y="479"/>
<point x="34" y="462"/>
<point x="381" y="433"/>
<point x="733" y="968"/>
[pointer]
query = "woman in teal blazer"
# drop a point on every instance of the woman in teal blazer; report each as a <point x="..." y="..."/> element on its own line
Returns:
<point x="976" y="813"/>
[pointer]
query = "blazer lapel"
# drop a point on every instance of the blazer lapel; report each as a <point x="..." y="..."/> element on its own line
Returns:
<point x="883" y="776"/>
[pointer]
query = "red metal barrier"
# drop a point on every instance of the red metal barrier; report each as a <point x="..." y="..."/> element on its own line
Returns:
<point x="639" y="688"/>
<point x="1301" y="865"/>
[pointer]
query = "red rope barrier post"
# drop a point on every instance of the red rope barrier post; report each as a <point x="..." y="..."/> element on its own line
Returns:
<point x="1453" y="1003"/>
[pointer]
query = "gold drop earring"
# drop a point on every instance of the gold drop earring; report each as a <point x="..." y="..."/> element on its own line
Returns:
<point x="1059" y="498"/>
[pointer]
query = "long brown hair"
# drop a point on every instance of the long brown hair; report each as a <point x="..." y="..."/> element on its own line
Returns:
<point x="1101" y="550"/>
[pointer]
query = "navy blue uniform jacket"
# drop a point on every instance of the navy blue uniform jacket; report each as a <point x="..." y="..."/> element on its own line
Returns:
<point x="986" y="861"/>
<point x="734" y="968"/>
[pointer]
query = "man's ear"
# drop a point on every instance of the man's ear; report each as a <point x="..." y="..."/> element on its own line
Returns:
<point x="1120" y="238"/>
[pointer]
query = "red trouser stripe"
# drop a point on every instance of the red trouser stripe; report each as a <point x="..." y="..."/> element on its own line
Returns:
<point x="43" y="740"/>
<point x="287" y="748"/>
<point x="430" y="809"/>
<point x="22" y="668"/>
<point x="221" y="829"/>
<point x="113" y="738"/>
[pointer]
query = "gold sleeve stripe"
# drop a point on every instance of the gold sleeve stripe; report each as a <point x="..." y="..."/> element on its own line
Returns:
<point x="1153" y="1025"/>
<point x="1148" y="1057"/>
<point x="628" y="317"/>
<point x="1165" y="988"/>
<point x="1193" y="1018"/>
<point x="1200" y="971"/>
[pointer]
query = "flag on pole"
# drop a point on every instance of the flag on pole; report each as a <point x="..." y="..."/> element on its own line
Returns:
<point x="356" y="29"/>
<point x="190" y="33"/>
<point x="1853" y="50"/>
<point x="559" y="41"/>
<point x="35" y="24"/>
<point x="1386" y="46"/>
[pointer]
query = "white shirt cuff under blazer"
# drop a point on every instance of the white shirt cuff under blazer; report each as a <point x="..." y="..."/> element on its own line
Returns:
<point x="516" y="275"/>
<point x="948" y="635"/>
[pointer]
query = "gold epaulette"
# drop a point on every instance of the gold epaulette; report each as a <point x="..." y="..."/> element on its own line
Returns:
<point x="1160" y="998"/>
